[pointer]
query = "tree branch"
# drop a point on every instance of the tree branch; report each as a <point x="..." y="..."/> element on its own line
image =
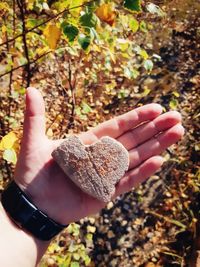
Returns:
<point x="21" y="6"/>
<point x="21" y="66"/>
<point x="73" y="102"/>
<point x="44" y="22"/>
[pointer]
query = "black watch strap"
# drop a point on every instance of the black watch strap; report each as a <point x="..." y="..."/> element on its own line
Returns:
<point x="26" y="215"/>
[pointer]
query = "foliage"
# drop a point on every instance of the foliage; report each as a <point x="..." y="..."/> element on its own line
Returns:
<point x="9" y="145"/>
<point x="67" y="27"/>
<point x="76" y="254"/>
<point x="100" y="56"/>
<point x="82" y="30"/>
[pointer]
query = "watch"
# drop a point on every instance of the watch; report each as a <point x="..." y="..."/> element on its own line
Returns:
<point x="26" y="215"/>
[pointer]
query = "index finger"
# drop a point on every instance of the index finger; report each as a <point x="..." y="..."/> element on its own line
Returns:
<point x="121" y="124"/>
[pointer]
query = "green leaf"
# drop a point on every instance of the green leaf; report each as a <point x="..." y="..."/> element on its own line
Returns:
<point x="94" y="34"/>
<point x="135" y="73"/>
<point x="127" y="72"/>
<point x="31" y="22"/>
<point x="76" y="256"/>
<point x="148" y="65"/>
<point x="133" y="5"/>
<point x="154" y="9"/>
<point x="131" y="73"/>
<point x="74" y="264"/>
<point x="143" y="26"/>
<point x="84" y="41"/>
<point x="88" y="20"/>
<point x="133" y="25"/>
<point x="86" y="108"/>
<point x="87" y="260"/>
<point x="89" y="237"/>
<point x="10" y="155"/>
<point x="173" y="103"/>
<point x="70" y="31"/>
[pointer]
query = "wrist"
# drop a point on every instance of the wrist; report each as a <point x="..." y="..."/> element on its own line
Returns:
<point x="25" y="249"/>
<point x="26" y="215"/>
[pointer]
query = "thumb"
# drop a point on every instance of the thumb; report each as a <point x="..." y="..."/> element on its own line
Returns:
<point x="34" y="121"/>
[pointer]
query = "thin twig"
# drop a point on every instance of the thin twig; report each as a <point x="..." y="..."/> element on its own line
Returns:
<point x="73" y="102"/>
<point x="21" y="6"/>
<point x="21" y="66"/>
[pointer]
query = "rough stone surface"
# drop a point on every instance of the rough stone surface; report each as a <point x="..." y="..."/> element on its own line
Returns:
<point x="94" y="168"/>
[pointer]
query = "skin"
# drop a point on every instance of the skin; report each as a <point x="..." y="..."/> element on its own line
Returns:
<point x="144" y="132"/>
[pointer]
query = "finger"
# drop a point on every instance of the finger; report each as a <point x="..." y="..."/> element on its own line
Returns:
<point x="134" y="177"/>
<point x="155" y="146"/>
<point x="117" y="126"/>
<point x="34" y="121"/>
<point x="146" y="131"/>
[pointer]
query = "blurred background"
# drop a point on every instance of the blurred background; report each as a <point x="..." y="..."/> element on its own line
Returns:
<point x="93" y="60"/>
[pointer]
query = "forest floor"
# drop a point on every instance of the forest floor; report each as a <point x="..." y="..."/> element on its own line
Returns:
<point x="156" y="224"/>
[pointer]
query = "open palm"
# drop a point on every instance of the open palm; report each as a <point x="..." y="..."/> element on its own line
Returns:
<point x="144" y="132"/>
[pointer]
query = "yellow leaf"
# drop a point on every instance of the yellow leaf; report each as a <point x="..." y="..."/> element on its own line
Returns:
<point x="143" y="54"/>
<point x="106" y="13"/>
<point x="52" y="35"/>
<point x="41" y="50"/>
<point x="91" y="229"/>
<point x="4" y="7"/>
<point x="74" y="7"/>
<point x="8" y="141"/>
<point x="4" y="29"/>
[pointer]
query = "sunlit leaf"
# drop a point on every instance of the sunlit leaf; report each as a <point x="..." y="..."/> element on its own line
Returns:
<point x="154" y="9"/>
<point x="10" y="155"/>
<point x="135" y="73"/>
<point x="74" y="264"/>
<point x="87" y="260"/>
<point x="8" y="141"/>
<point x="148" y="65"/>
<point x="106" y="13"/>
<point x="75" y="7"/>
<point x="52" y="35"/>
<point x="176" y="94"/>
<point x="86" y="108"/>
<point x="91" y="229"/>
<point x="76" y="256"/>
<point x="146" y="91"/>
<point x="74" y="229"/>
<point x="133" y="25"/>
<point x="143" y="26"/>
<point x="143" y="54"/>
<point x="123" y="44"/>
<point x="89" y="237"/>
<point x="4" y="8"/>
<point x="133" y="5"/>
<point x="31" y="22"/>
<point x="173" y="103"/>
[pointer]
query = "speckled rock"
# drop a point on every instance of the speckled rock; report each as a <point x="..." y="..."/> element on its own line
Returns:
<point x="95" y="168"/>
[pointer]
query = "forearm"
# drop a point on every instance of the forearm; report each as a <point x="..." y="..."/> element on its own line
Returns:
<point x="18" y="248"/>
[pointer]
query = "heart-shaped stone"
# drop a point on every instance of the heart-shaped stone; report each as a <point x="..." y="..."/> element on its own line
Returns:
<point x="95" y="168"/>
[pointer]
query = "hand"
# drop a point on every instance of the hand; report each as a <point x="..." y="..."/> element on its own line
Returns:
<point x="144" y="132"/>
